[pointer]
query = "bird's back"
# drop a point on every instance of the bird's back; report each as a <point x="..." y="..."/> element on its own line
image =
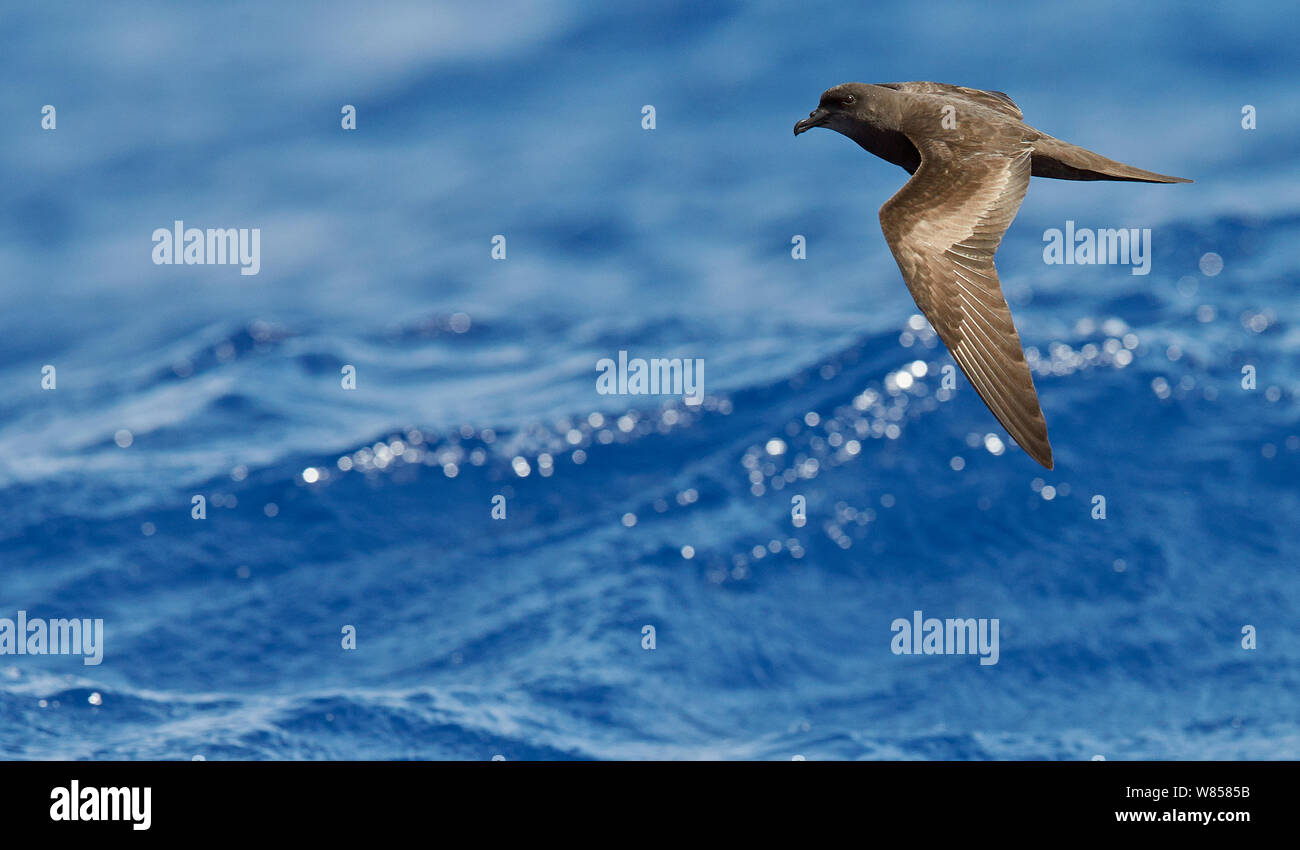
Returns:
<point x="968" y="116"/>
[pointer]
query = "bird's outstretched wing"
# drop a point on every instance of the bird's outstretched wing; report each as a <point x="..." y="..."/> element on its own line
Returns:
<point x="998" y="100"/>
<point x="943" y="227"/>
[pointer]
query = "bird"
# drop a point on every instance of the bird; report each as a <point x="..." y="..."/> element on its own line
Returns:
<point x="970" y="155"/>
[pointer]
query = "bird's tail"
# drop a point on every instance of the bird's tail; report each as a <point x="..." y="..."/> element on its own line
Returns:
<point x="1064" y="161"/>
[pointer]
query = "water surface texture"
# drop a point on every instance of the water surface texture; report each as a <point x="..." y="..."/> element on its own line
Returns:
<point x="476" y="637"/>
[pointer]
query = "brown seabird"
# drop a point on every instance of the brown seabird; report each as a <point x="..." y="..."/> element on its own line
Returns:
<point x="971" y="156"/>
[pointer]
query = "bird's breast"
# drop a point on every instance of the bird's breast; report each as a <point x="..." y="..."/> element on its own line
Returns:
<point x="889" y="145"/>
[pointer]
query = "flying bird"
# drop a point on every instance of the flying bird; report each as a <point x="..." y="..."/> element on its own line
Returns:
<point x="970" y="155"/>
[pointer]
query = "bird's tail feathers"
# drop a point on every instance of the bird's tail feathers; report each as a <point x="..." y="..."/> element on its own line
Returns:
<point x="1064" y="161"/>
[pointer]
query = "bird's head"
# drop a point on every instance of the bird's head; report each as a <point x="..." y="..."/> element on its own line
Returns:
<point x="840" y="108"/>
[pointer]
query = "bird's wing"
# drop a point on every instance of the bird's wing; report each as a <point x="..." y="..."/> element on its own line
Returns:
<point x="998" y="100"/>
<point x="943" y="227"/>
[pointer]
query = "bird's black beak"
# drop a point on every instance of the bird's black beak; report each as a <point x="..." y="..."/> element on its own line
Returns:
<point x="816" y="118"/>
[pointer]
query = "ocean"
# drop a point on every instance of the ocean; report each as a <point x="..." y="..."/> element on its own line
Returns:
<point x="471" y="553"/>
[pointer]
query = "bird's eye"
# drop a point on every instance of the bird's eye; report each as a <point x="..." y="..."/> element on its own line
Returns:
<point x="849" y="100"/>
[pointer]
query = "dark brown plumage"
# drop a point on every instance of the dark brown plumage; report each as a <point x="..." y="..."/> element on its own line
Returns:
<point x="971" y="157"/>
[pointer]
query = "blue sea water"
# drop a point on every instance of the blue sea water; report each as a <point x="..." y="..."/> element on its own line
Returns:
<point x="1120" y="637"/>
